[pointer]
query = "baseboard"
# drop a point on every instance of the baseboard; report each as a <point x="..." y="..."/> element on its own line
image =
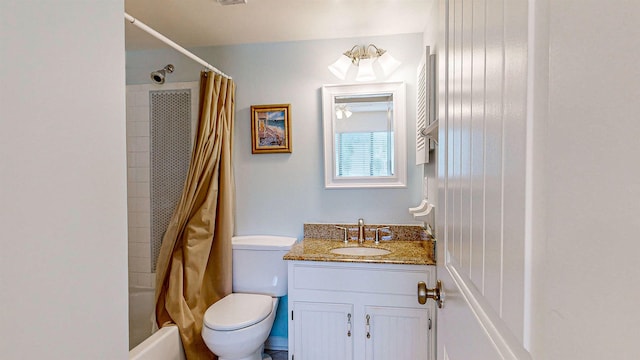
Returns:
<point x="277" y="343"/>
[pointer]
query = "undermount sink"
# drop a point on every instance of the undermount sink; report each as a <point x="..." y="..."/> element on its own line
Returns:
<point x="360" y="251"/>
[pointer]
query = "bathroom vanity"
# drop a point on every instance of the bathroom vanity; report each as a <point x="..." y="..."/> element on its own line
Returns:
<point x="360" y="307"/>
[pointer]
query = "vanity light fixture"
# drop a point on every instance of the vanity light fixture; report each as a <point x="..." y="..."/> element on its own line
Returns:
<point x="364" y="58"/>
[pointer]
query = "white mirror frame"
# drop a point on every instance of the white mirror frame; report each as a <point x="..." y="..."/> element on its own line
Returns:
<point x="329" y="93"/>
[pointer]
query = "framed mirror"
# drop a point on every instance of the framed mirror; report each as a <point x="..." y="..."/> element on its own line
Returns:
<point x="364" y="135"/>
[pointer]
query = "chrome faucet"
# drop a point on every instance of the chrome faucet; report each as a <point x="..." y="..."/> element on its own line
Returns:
<point x="360" y="231"/>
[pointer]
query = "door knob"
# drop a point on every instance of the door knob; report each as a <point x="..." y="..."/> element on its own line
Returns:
<point x="425" y="293"/>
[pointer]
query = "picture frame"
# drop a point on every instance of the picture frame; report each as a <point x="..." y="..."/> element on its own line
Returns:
<point x="271" y="129"/>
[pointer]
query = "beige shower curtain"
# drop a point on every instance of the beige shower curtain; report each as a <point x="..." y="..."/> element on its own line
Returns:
<point x="194" y="265"/>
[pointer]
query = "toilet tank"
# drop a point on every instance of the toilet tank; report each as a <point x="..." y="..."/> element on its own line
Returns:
<point x="258" y="267"/>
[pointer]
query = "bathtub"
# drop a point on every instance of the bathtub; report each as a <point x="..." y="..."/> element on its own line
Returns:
<point x="144" y="343"/>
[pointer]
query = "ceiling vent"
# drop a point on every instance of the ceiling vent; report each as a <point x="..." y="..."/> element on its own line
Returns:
<point x="231" y="2"/>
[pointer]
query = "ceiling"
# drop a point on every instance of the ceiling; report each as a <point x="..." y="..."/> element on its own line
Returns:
<point x="195" y="23"/>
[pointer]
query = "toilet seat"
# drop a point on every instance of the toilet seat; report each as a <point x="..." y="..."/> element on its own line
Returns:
<point x="237" y="311"/>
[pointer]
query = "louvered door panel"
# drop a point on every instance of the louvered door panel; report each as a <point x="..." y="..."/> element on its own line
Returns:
<point x="422" y="109"/>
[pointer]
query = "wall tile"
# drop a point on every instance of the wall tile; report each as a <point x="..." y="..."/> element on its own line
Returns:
<point x="138" y="128"/>
<point x="139" y="264"/>
<point x="139" y="204"/>
<point x="138" y="159"/>
<point x="139" y="189"/>
<point x="138" y="144"/>
<point x="135" y="174"/>
<point x="138" y="250"/>
<point x="139" y="219"/>
<point x="139" y="235"/>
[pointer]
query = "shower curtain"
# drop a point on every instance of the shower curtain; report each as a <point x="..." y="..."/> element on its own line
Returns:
<point x="194" y="265"/>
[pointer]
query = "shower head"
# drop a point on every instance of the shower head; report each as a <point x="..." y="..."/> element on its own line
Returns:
<point x="158" y="76"/>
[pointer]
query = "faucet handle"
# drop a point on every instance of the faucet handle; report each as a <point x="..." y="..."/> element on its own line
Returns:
<point x="378" y="233"/>
<point x="344" y="230"/>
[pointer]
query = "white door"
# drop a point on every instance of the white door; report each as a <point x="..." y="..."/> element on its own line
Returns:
<point x="482" y="57"/>
<point x="393" y="333"/>
<point x="323" y="331"/>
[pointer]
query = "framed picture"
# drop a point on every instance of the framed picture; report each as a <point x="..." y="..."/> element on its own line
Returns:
<point x="271" y="129"/>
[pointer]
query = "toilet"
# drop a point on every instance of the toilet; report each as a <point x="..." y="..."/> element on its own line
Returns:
<point x="236" y="327"/>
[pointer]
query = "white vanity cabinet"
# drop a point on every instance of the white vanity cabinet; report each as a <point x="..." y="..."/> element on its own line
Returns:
<point x="341" y="310"/>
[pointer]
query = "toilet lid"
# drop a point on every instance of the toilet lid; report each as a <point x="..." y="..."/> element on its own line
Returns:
<point x="237" y="311"/>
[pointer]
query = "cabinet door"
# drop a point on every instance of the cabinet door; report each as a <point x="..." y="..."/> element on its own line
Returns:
<point x="397" y="333"/>
<point x="322" y="331"/>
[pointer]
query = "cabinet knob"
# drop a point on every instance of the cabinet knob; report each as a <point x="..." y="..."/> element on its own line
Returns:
<point x="425" y="293"/>
<point x="348" y="325"/>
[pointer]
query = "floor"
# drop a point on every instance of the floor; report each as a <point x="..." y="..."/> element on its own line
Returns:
<point x="278" y="354"/>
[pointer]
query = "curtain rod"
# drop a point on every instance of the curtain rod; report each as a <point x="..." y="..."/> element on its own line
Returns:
<point x="169" y="42"/>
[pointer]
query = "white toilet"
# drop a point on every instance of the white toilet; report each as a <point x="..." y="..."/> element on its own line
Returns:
<point x="236" y="327"/>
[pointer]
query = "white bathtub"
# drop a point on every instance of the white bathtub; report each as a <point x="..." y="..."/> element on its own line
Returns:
<point x="164" y="344"/>
<point x="144" y="344"/>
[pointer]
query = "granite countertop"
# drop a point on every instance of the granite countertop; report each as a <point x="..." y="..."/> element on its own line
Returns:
<point x="411" y="252"/>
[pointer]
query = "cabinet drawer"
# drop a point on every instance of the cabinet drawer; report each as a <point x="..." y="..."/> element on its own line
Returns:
<point x="382" y="279"/>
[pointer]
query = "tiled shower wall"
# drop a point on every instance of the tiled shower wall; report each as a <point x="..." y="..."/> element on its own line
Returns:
<point x="138" y="176"/>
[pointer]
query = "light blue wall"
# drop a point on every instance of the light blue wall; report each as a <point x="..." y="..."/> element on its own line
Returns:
<point x="278" y="193"/>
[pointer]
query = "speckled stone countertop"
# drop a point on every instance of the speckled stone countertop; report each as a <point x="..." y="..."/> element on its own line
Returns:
<point x="411" y="252"/>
